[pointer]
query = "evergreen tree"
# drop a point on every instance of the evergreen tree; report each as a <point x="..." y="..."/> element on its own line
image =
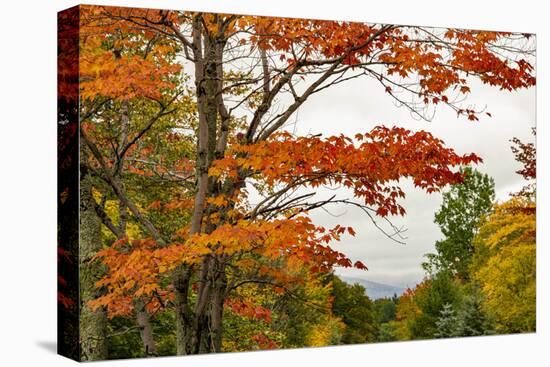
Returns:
<point x="474" y="320"/>
<point x="448" y="325"/>
<point x="431" y="300"/>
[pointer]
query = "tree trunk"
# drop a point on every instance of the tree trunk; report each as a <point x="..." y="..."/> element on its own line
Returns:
<point x="193" y="321"/>
<point x="196" y="325"/>
<point x="216" y="310"/>
<point x="142" y="316"/>
<point x="93" y="324"/>
<point x="182" y="278"/>
<point x="145" y="328"/>
<point x="200" y="324"/>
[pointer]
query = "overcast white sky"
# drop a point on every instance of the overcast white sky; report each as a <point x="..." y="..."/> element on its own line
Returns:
<point x="359" y="105"/>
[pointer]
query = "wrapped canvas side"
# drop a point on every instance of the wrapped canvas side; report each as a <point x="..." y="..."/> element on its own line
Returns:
<point x="67" y="178"/>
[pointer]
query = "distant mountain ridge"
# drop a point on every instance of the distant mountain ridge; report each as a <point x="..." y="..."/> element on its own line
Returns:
<point x="375" y="290"/>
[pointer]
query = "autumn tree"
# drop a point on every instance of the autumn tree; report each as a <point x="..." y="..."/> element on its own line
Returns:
<point x="407" y="312"/>
<point x="126" y="123"/>
<point x="526" y="154"/>
<point x="506" y="264"/>
<point x="259" y="316"/>
<point x="246" y="77"/>
<point x="93" y="323"/>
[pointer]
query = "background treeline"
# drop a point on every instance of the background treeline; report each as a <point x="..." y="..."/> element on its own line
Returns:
<point x="482" y="278"/>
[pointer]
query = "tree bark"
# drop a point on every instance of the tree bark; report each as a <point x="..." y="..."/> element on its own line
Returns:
<point x="182" y="278"/>
<point x="216" y="310"/>
<point x="146" y="331"/>
<point x="193" y="322"/>
<point x="199" y="326"/>
<point x="93" y="324"/>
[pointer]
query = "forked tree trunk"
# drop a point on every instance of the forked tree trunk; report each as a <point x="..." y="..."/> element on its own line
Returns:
<point x="191" y="320"/>
<point x="199" y="326"/>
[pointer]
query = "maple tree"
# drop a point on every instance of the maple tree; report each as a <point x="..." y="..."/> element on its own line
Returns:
<point x="526" y="154"/>
<point x="407" y="311"/>
<point x="198" y="103"/>
<point x="506" y="264"/>
<point x="130" y="103"/>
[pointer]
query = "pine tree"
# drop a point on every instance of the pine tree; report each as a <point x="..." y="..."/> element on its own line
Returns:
<point x="473" y="319"/>
<point x="449" y="324"/>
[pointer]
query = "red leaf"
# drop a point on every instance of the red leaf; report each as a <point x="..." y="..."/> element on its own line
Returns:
<point x="360" y="265"/>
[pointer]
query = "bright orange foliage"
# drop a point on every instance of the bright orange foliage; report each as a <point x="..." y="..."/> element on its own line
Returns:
<point x="382" y="156"/>
<point x="441" y="59"/>
<point x="371" y="165"/>
<point x="122" y="62"/>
